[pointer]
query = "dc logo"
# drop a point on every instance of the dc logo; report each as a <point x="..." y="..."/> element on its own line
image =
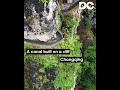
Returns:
<point x="88" y="5"/>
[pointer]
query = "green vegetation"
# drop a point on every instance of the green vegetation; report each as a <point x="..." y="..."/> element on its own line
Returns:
<point x="65" y="71"/>
<point x="69" y="25"/>
<point x="88" y="23"/>
<point x="58" y="26"/>
<point x="89" y="69"/>
<point x="44" y="1"/>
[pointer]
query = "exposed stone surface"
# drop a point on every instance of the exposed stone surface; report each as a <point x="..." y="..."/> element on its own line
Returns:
<point x="37" y="27"/>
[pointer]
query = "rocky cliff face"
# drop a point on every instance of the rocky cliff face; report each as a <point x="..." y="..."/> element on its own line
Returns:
<point x="41" y="20"/>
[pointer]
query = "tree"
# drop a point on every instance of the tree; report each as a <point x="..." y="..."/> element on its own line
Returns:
<point x="44" y="1"/>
